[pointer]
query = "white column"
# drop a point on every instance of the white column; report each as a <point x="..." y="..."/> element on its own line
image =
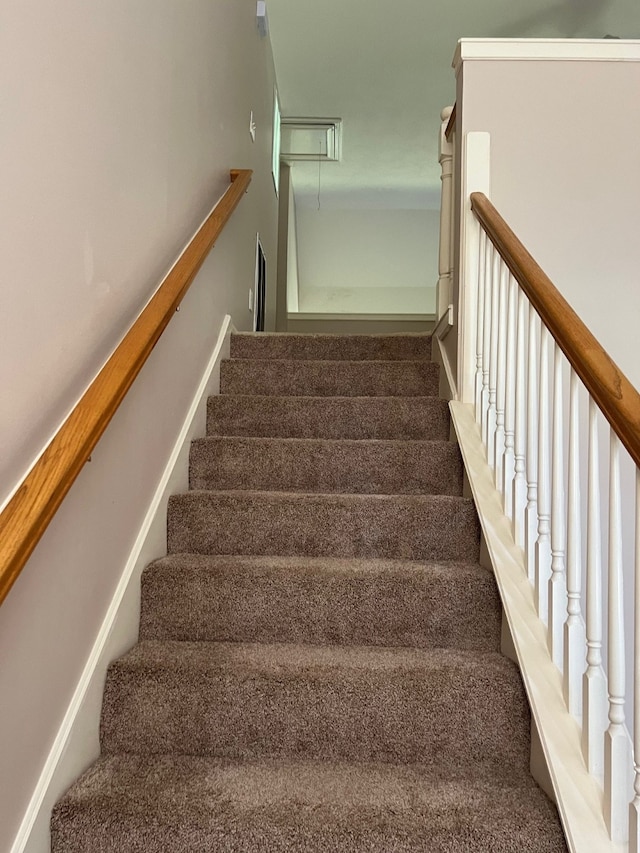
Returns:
<point x="474" y="178"/>
<point x="519" y="497"/>
<point x="531" y="511"/>
<point x="616" y="756"/>
<point x="557" y="582"/>
<point x="574" y="629"/>
<point x="594" y="691"/>
<point x="482" y="268"/>
<point x="543" y="542"/>
<point x="508" y="459"/>
<point x="493" y="359"/>
<point x="489" y="285"/>
<point x="445" y="267"/>
<point x="501" y="374"/>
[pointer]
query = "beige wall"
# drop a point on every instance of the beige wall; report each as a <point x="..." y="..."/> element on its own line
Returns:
<point x="565" y="173"/>
<point x="120" y="123"/>
<point x="367" y="261"/>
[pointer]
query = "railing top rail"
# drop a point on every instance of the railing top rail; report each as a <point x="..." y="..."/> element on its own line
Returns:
<point x="614" y="394"/>
<point x="27" y="515"/>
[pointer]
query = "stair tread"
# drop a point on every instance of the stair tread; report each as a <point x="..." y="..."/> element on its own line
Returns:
<point x="312" y="660"/>
<point x="380" y="417"/>
<point x="367" y="466"/>
<point x="320" y="600"/>
<point x="183" y="804"/>
<point x="317" y="377"/>
<point x="331" y="346"/>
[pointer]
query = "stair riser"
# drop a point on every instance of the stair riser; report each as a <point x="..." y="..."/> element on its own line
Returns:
<point x="434" y="716"/>
<point x="313" y="466"/>
<point x="410" y="418"/>
<point x="332" y="347"/>
<point x="330" y="378"/>
<point x="410" y="527"/>
<point x="438" y="607"/>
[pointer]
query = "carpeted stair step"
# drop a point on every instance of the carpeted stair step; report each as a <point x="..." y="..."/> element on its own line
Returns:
<point x="184" y="804"/>
<point x="416" y="347"/>
<point x="326" y="465"/>
<point x="413" y="527"/>
<point x="329" y="378"/>
<point x="320" y="601"/>
<point x="419" y="418"/>
<point x="436" y="707"/>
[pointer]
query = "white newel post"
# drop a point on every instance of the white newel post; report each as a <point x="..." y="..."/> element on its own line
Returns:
<point x="474" y="178"/>
<point x="445" y="257"/>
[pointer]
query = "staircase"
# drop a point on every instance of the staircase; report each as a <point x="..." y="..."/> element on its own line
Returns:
<point x="318" y="666"/>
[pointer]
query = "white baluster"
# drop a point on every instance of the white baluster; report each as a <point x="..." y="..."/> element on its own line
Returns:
<point x="482" y="251"/>
<point x="616" y="757"/>
<point x="634" y="809"/>
<point x="594" y="693"/>
<point x="574" y="633"/>
<point x="531" y="511"/>
<point x="508" y="459"/>
<point x="493" y="358"/>
<point x="557" y="582"/>
<point x="498" y="451"/>
<point x="519" y="496"/>
<point x="486" y="336"/>
<point x="543" y="542"/>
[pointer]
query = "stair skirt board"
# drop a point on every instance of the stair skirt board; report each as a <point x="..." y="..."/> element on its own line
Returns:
<point x="577" y="792"/>
<point x="76" y="743"/>
<point x="318" y="666"/>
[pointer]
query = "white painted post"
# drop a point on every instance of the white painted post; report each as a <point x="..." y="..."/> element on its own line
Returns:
<point x="543" y="542"/>
<point x="489" y="285"/>
<point x="445" y="266"/>
<point x="616" y="756"/>
<point x="482" y="269"/>
<point x="557" y="582"/>
<point x="474" y="178"/>
<point x="501" y="374"/>
<point x="493" y="359"/>
<point x="574" y="631"/>
<point x="508" y="459"/>
<point x="634" y="808"/>
<point x="594" y="691"/>
<point x="519" y="497"/>
<point x="531" y="511"/>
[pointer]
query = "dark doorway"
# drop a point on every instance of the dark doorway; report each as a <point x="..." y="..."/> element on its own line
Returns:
<point x="261" y="288"/>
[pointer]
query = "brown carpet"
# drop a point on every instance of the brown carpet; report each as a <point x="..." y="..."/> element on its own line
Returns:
<point x="318" y="668"/>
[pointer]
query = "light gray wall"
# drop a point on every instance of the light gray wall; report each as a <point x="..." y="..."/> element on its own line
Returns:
<point x="367" y="261"/>
<point x="565" y="174"/>
<point x="120" y="123"/>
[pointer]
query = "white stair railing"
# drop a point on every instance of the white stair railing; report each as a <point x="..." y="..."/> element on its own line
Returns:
<point x="530" y="373"/>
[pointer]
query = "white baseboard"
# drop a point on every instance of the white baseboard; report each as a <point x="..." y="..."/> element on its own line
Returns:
<point x="76" y="744"/>
<point x="578" y="795"/>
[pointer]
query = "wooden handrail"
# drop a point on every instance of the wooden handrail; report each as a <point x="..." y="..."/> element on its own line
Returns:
<point x="614" y="394"/>
<point x="28" y="513"/>
<point x="451" y="124"/>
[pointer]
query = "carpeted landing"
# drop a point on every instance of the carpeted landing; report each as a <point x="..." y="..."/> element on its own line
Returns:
<point x="319" y="662"/>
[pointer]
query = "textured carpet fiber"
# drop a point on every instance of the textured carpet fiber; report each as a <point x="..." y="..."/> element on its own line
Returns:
<point x="318" y="668"/>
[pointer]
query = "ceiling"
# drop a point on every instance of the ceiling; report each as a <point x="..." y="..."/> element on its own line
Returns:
<point x="384" y="67"/>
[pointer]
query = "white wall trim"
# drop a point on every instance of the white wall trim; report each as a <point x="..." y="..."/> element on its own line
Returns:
<point x="448" y="388"/>
<point x="564" y="50"/>
<point x="578" y="794"/>
<point x="119" y="629"/>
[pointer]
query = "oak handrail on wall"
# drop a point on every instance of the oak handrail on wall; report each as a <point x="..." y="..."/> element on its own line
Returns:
<point x="615" y="395"/>
<point x="28" y="513"/>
